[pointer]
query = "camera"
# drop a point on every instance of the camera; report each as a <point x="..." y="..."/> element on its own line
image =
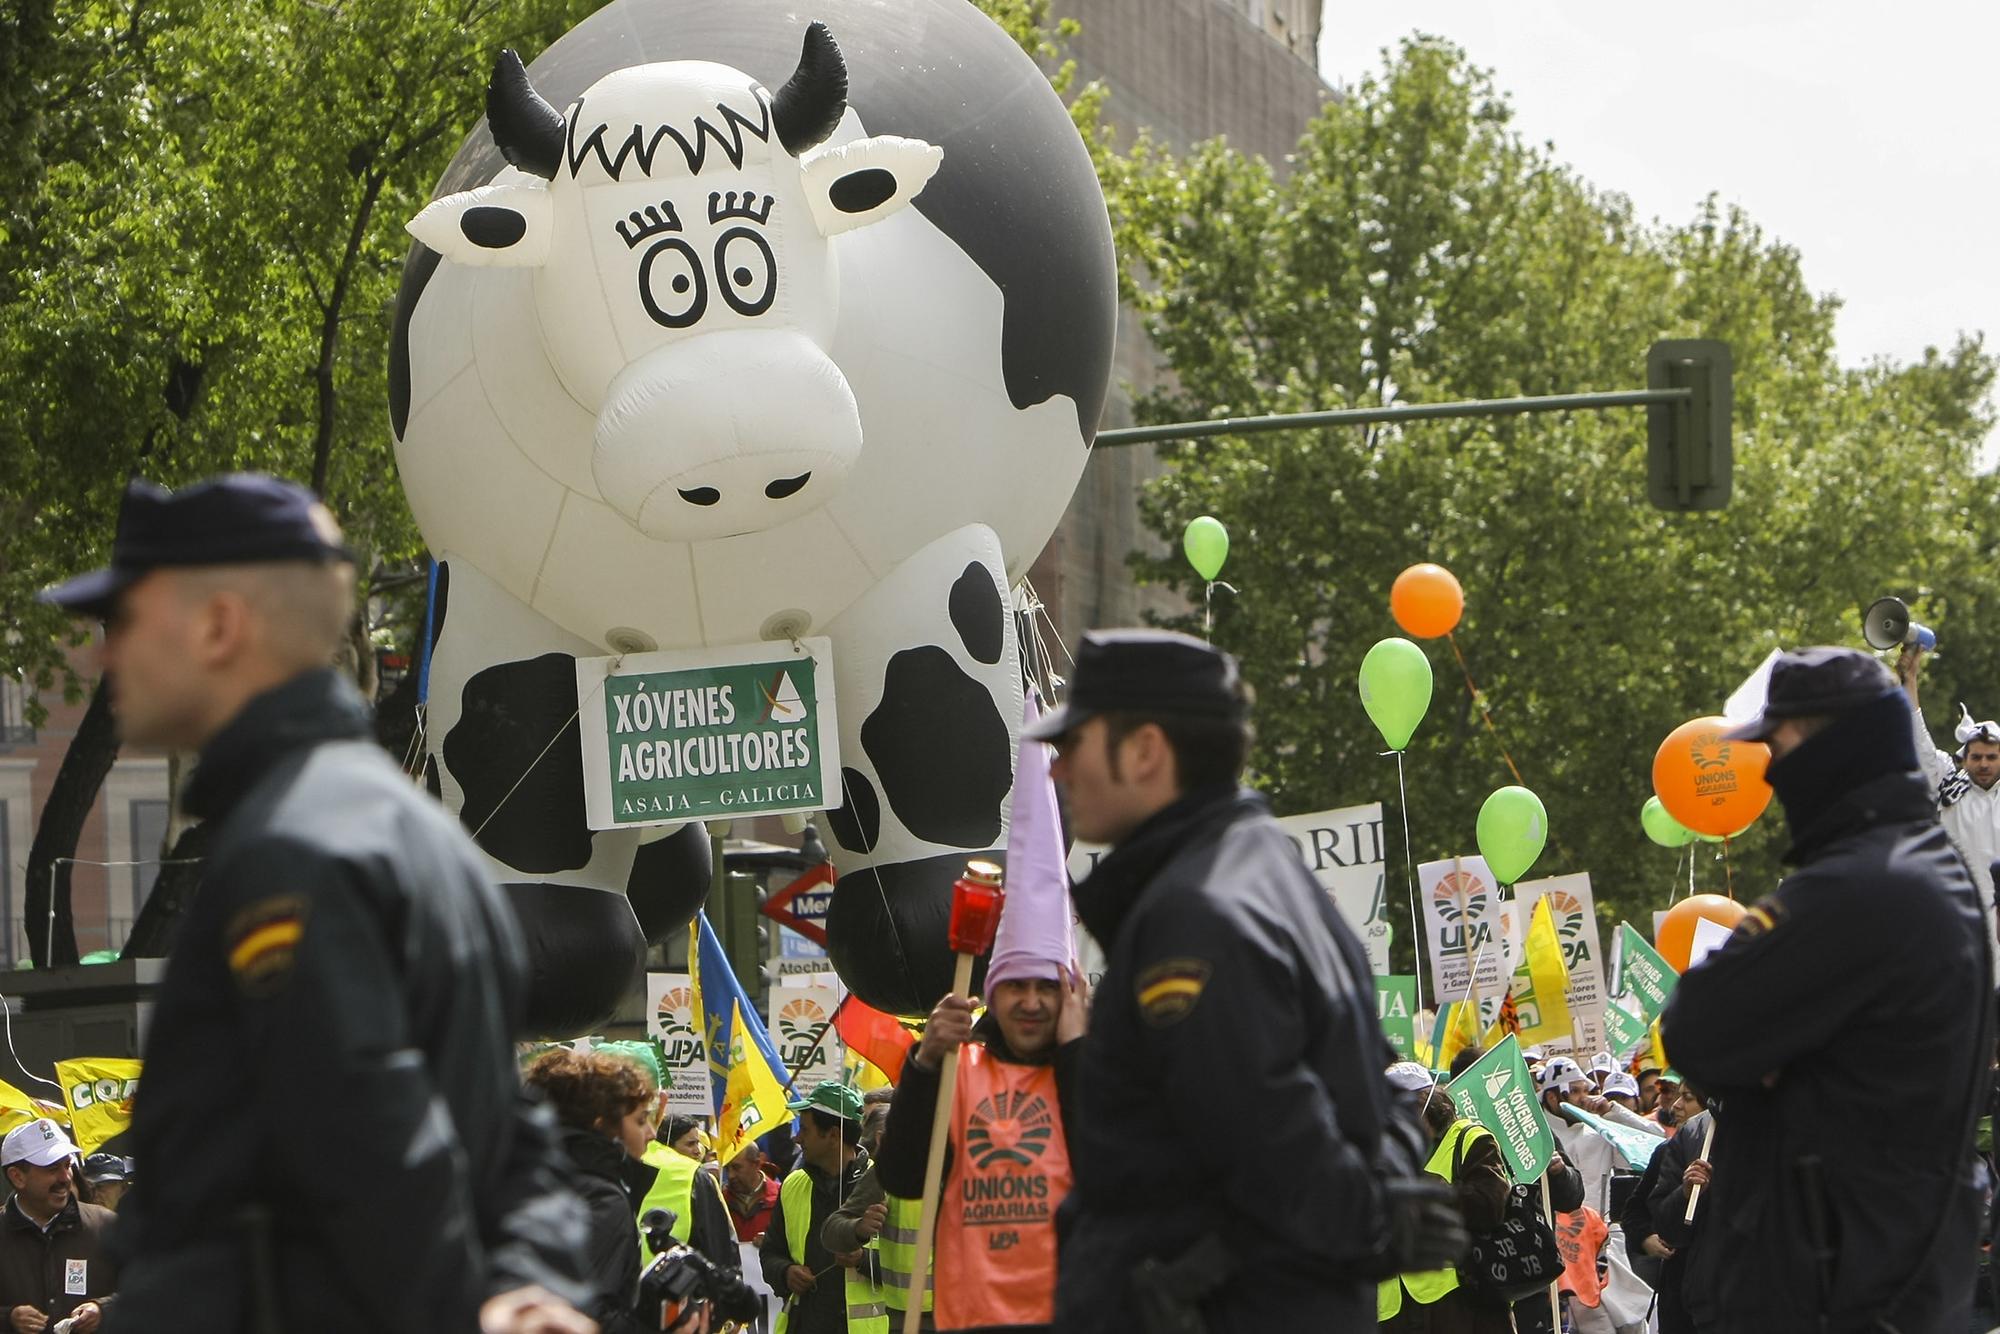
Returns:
<point x="685" y="1290"/>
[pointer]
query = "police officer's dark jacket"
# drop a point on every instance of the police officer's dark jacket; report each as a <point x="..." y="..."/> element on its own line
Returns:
<point x="1841" y="1023"/>
<point x="1233" y="1080"/>
<point x="331" y="1051"/>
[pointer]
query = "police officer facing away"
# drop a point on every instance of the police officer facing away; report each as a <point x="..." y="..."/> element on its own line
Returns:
<point x="331" y="1118"/>
<point x="1845" y="1031"/>
<point x="1233" y="996"/>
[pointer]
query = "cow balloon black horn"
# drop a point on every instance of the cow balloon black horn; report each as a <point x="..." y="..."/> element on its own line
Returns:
<point x="810" y="105"/>
<point x="527" y="130"/>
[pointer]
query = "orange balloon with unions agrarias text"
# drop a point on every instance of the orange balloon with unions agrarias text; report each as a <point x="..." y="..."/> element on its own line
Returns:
<point x="1677" y="928"/>
<point x="1709" y="783"/>
<point x="1426" y="601"/>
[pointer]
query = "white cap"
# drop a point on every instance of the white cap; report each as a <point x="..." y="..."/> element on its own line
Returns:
<point x="1558" y="1074"/>
<point x="1410" y="1077"/>
<point x="39" y="1142"/>
<point x="1621" y="1084"/>
<point x="1602" y="1063"/>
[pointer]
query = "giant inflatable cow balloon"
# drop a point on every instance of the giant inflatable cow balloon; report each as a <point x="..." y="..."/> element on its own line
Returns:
<point x="730" y="327"/>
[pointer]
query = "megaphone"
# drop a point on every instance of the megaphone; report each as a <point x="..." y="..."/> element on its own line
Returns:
<point x="1887" y="624"/>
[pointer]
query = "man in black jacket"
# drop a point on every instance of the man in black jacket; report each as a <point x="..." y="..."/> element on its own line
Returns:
<point x="1233" y="996"/>
<point x="52" y="1262"/>
<point x="1845" y="1030"/>
<point x="340" y="1005"/>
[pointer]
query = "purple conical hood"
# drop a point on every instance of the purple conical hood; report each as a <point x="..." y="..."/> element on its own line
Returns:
<point x="1034" y="939"/>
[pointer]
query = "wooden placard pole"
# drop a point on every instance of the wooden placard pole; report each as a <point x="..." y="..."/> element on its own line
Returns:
<point x="1694" y="1192"/>
<point x="976" y="901"/>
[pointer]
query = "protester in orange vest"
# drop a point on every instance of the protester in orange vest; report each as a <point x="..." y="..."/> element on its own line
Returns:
<point x="1007" y="1166"/>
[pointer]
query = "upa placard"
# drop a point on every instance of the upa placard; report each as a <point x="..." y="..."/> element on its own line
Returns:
<point x="670" y="1019"/>
<point x="1574" y="913"/>
<point x="802" y="1027"/>
<point x="708" y="734"/>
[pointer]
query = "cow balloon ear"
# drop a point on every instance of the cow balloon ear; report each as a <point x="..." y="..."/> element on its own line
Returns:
<point x="506" y="224"/>
<point x="854" y="184"/>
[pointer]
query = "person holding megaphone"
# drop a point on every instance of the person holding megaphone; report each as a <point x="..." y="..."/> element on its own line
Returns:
<point x="1965" y="785"/>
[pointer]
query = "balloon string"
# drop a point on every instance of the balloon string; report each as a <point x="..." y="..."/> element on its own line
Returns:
<point x="1479" y="701"/>
<point x="1208" y="611"/>
<point x="1729" y="876"/>
<point x="1410" y="879"/>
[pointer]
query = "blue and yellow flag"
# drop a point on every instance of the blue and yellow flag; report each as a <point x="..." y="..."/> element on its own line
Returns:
<point x="746" y="1078"/>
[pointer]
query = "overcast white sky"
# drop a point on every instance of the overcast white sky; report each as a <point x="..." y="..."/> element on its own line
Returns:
<point x="1862" y="133"/>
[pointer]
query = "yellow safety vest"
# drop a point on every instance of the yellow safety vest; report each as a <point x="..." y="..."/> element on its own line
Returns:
<point x="672" y="1189"/>
<point x="866" y="1311"/>
<point x="1428" y="1285"/>
<point x="898" y="1253"/>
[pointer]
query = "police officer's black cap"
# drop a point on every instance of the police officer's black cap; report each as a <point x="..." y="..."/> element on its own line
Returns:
<point x="1155" y="673"/>
<point x="239" y="518"/>
<point x="1811" y="681"/>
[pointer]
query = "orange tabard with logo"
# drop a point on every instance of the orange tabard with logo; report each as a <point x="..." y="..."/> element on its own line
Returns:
<point x="996" y="1238"/>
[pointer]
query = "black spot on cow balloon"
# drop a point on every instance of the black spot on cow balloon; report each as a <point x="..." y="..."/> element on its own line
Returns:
<point x="743" y="328"/>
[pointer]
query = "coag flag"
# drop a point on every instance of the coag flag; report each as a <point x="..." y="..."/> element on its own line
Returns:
<point x="1541" y="984"/>
<point x="98" y="1093"/>
<point x="746" y="1078"/>
<point x="18" y="1108"/>
<point x="880" y="1039"/>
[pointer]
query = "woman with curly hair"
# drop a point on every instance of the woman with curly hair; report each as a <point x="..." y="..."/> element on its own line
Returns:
<point x="605" y="1107"/>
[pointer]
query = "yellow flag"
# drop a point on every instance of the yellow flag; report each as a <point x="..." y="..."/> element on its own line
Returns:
<point x="18" y="1108"/>
<point x="98" y="1093"/>
<point x="1659" y="1048"/>
<point x="753" y="1099"/>
<point x="1460" y="1030"/>
<point x="1541" y="983"/>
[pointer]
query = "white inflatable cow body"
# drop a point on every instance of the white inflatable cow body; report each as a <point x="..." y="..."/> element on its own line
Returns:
<point x="692" y="372"/>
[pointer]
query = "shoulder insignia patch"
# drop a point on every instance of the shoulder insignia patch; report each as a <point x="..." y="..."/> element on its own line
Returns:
<point x="1168" y="990"/>
<point x="1765" y="915"/>
<point x="261" y="941"/>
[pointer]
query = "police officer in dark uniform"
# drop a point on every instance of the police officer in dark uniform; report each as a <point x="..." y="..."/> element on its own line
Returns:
<point x="1239" y="1153"/>
<point x="330" y="1118"/>
<point x="1846" y="1033"/>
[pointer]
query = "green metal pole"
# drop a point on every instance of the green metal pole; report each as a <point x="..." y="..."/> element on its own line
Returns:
<point x="1298" y="421"/>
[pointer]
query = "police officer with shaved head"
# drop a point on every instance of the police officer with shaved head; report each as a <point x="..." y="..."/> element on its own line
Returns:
<point x="1845" y="1035"/>
<point x="1233" y="996"/>
<point x="331" y="1120"/>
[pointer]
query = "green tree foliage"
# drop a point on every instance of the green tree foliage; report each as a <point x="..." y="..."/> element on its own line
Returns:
<point x="199" y="247"/>
<point x="1420" y="251"/>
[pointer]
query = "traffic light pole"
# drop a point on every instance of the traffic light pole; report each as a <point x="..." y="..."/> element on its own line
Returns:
<point x="1688" y="450"/>
<point x="1477" y="407"/>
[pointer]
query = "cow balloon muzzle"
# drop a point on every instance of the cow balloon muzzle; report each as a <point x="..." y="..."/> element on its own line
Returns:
<point x="724" y="434"/>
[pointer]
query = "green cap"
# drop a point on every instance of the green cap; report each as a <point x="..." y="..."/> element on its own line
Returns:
<point x="833" y="1097"/>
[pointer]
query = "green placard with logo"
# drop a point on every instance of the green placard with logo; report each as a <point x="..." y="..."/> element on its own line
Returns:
<point x="1643" y="974"/>
<point x="708" y="734"/>
<point x="1623" y="1030"/>
<point x="1396" y="1007"/>
<point x="1498" y="1093"/>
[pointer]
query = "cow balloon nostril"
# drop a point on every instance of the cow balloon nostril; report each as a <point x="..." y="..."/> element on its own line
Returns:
<point x="702" y="495"/>
<point x="787" y="486"/>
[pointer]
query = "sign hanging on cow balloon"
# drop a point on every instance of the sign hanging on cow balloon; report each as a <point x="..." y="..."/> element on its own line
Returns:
<point x="714" y="734"/>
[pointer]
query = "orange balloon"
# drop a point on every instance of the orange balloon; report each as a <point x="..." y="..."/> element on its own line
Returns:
<point x="1709" y="784"/>
<point x="1426" y="601"/>
<point x="1676" y="939"/>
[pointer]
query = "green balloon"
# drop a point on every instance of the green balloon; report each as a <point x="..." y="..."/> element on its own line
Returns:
<point x="1513" y="826"/>
<point x="1711" y="838"/>
<point x="1396" y="689"/>
<point x="100" y="956"/>
<point x="1663" y="828"/>
<point x="1206" y="543"/>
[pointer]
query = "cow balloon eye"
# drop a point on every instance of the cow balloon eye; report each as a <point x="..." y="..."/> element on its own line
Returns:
<point x="673" y="284"/>
<point x="746" y="271"/>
